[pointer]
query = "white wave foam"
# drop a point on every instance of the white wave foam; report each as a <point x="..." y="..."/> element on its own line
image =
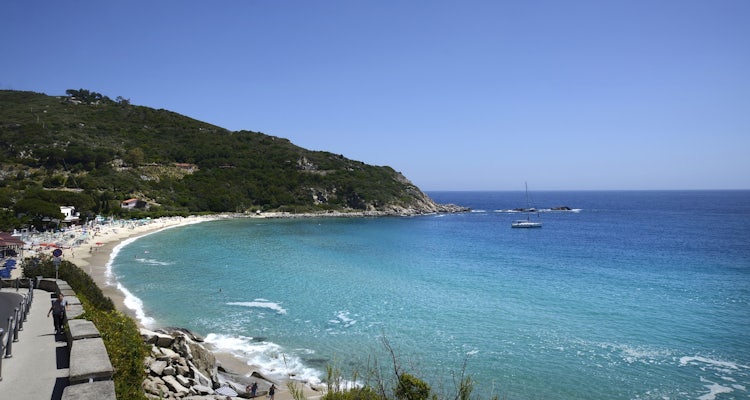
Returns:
<point x="131" y="301"/>
<point x="151" y="261"/>
<point x="632" y="354"/>
<point x="134" y="303"/>
<point x="109" y="277"/>
<point x="342" y="317"/>
<point x="260" y="303"/>
<point x="713" y="390"/>
<point x="688" y="360"/>
<point x="270" y="358"/>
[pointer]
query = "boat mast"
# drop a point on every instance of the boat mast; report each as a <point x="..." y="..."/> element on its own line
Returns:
<point x="528" y="202"/>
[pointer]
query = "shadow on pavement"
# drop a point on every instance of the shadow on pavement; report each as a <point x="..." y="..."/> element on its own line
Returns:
<point x="60" y="385"/>
<point x="62" y="354"/>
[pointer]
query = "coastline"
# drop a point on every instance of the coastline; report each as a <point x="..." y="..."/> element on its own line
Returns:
<point x="93" y="247"/>
<point x="94" y="256"/>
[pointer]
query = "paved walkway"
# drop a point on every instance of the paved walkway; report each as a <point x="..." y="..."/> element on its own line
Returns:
<point x="38" y="368"/>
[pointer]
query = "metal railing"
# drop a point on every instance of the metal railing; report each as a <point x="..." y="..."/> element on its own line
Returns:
<point x="15" y="324"/>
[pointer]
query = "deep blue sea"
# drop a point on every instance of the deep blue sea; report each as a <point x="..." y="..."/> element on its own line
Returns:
<point x="636" y="295"/>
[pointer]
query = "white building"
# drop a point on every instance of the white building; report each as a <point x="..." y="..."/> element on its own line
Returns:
<point x="71" y="216"/>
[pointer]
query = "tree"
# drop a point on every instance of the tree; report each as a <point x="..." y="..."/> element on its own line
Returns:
<point x="87" y="96"/>
<point x="41" y="214"/>
<point x="134" y="156"/>
<point x="8" y="221"/>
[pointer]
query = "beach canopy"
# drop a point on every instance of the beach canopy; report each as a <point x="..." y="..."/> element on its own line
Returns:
<point x="226" y="391"/>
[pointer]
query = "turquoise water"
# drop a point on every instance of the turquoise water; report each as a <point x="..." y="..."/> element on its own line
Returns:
<point x="638" y="295"/>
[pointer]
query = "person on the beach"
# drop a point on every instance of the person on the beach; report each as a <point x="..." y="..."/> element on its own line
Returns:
<point x="251" y="390"/>
<point x="58" y="308"/>
<point x="271" y="391"/>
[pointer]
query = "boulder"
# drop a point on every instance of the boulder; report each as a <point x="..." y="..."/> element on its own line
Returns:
<point x="200" y="389"/>
<point x="175" y="386"/>
<point x="152" y="387"/>
<point x="163" y="340"/>
<point x="148" y="336"/>
<point x="157" y="367"/>
<point x="200" y="377"/>
<point x="183" y="380"/>
<point x="167" y="354"/>
<point x="169" y="371"/>
<point x="203" y="360"/>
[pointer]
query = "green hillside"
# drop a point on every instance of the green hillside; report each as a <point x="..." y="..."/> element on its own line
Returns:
<point x="89" y="151"/>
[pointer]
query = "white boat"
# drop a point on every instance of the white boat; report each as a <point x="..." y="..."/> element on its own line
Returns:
<point x="527" y="223"/>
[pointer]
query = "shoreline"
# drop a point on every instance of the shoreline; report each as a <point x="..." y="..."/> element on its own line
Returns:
<point x="94" y="256"/>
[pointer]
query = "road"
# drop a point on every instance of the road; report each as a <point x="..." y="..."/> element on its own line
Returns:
<point x="8" y="302"/>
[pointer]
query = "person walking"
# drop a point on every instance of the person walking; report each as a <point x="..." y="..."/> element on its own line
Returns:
<point x="271" y="391"/>
<point x="58" y="308"/>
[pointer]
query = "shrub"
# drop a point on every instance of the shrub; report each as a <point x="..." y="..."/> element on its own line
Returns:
<point x="411" y="388"/>
<point x="119" y="332"/>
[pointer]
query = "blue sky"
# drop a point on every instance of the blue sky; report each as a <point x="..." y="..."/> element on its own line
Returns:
<point x="457" y="95"/>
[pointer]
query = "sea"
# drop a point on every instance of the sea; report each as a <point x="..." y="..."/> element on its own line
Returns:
<point x="627" y="295"/>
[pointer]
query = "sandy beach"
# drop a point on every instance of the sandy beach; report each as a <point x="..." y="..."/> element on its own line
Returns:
<point x="91" y="251"/>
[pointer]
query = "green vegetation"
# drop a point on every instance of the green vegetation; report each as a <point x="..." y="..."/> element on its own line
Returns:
<point x="121" y="336"/>
<point x="389" y="382"/>
<point x="87" y="150"/>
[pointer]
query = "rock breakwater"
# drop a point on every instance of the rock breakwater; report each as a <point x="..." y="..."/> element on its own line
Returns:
<point x="181" y="367"/>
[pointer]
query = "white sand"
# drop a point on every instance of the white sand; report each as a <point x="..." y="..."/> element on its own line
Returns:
<point x="91" y="252"/>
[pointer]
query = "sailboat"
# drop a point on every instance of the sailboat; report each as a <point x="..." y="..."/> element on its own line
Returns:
<point x="527" y="223"/>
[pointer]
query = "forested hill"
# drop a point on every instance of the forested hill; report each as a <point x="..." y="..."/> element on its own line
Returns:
<point x="86" y="150"/>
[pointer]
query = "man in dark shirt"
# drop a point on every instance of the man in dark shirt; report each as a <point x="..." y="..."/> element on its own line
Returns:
<point x="59" y="306"/>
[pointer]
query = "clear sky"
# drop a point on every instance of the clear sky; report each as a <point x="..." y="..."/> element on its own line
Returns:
<point x="457" y="95"/>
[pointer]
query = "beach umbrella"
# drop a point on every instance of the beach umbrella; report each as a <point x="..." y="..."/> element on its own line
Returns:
<point x="226" y="391"/>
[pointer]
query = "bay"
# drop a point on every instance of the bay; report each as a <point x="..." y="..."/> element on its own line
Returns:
<point x="637" y="294"/>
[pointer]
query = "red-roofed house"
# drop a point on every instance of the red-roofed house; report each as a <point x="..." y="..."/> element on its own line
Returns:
<point x="129" y="204"/>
